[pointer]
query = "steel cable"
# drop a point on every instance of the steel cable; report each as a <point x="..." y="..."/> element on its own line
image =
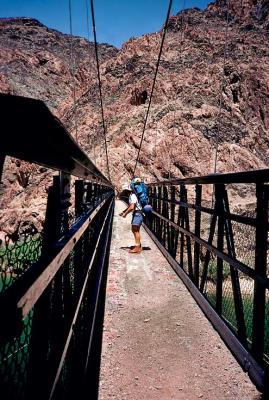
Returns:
<point x="93" y="137"/>
<point x="213" y="204"/>
<point x="222" y="85"/>
<point x="154" y="81"/>
<point x="175" y="98"/>
<point x="99" y="86"/>
<point x="72" y="68"/>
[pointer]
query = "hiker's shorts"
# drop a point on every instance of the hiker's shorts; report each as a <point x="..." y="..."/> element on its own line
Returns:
<point x="137" y="219"/>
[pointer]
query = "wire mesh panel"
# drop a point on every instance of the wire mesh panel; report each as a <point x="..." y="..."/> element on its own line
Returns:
<point x="16" y="257"/>
<point x="220" y="244"/>
<point x="39" y="340"/>
<point x="34" y="337"/>
<point x="50" y="242"/>
<point x="14" y="358"/>
<point x="244" y="239"/>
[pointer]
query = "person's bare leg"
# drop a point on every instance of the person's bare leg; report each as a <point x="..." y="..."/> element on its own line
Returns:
<point x="137" y="237"/>
<point x="136" y="232"/>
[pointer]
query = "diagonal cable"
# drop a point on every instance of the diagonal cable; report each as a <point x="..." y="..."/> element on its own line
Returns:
<point x="182" y="37"/>
<point x="225" y="57"/>
<point x="73" y="68"/>
<point x="154" y="80"/>
<point x="93" y="138"/>
<point x="100" y="86"/>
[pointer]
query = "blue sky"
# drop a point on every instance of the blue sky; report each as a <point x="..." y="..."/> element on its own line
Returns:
<point x="116" y="20"/>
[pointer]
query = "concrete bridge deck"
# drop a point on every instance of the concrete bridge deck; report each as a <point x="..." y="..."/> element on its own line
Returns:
<point x="157" y="343"/>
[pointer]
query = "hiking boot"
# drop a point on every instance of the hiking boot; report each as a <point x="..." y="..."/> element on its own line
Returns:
<point x="136" y="249"/>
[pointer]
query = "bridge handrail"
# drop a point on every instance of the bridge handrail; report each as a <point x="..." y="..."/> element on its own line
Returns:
<point x="52" y="277"/>
<point x="22" y="296"/>
<point x="220" y="250"/>
<point x="254" y="176"/>
<point x="32" y="133"/>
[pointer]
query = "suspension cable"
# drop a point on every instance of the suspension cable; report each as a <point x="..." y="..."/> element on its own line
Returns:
<point x="100" y="86"/>
<point x="154" y="80"/>
<point x="93" y="137"/>
<point x="182" y="37"/>
<point x="225" y="56"/>
<point x="72" y="68"/>
<point x="87" y="20"/>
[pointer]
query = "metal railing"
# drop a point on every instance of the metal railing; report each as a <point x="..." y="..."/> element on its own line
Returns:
<point x="52" y="283"/>
<point x="214" y="232"/>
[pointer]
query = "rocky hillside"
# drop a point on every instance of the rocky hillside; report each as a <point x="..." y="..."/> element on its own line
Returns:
<point x="188" y="113"/>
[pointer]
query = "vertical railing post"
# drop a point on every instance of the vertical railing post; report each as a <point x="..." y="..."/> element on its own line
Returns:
<point x="74" y="353"/>
<point x="154" y="205"/>
<point x="159" y="208"/>
<point x="219" y="192"/>
<point x="260" y="269"/>
<point x="95" y="192"/>
<point x="62" y="292"/>
<point x="238" y="303"/>
<point x="79" y="197"/>
<point x="149" y="219"/>
<point x="178" y="222"/>
<point x="65" y="182"/>
<point x="78" y="256"/>
<point x="181" y="223"/>
<point x="173" y="207"/>
<point x="89" y="195"/>
<point x="165" y="213"/>
<point x="38" y="384"/>
<point x="207" y="255"/>
<point x="89" y="192"/>
<point x="53" y="218"/>
<point x="186" y="224"/>
<point x="197" y="229"/>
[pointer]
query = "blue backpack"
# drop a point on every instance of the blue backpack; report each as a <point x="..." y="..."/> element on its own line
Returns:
<point x="141" y="191"/>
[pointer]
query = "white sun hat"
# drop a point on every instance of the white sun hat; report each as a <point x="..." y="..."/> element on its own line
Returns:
<point x="126" y="186"/>
<point x="137" y="180"/>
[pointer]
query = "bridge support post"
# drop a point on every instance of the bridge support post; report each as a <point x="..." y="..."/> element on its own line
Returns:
<point x="79" y="197"/>
<point x="186" y="224"/>
<point x="197" y="229"/>
<point x="165" y="213"/>
<point x="181" y="224"/>
<point x="262" y="193"/>
<point x="219" y="193"/>
<point x="38" y="383"/>
<point x="238" y="303"/>
<point x="159" y="210"/>
<point x="173" y="207"/>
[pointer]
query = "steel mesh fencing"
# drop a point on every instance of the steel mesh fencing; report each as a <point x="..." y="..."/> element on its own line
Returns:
<point x="16" y="257"/>
<point x="39" y="339"/>
<point x="244" y="241"/>
<point x="14" y="358"/>
<point x="221" y="246"/>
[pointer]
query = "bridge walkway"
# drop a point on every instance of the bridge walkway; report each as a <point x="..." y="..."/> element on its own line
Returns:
<point x="157" y="343"/>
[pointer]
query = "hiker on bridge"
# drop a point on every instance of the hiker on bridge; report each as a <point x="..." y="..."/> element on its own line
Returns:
<point x="137" y="190"/>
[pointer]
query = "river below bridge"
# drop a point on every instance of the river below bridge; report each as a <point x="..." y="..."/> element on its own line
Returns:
<point x="157" y="343"/>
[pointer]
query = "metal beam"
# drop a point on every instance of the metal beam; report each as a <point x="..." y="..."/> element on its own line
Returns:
<point x="24" y="293"/>
<point x="256" y="176"/>
<point x="235" y="263"/>
<point x="30" y="132"/>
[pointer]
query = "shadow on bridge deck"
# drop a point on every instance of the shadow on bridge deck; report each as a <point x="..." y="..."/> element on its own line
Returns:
<point x="157" y="344"/>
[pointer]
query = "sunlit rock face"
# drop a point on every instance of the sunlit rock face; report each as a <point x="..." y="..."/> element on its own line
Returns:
<point x="212" y="85"/>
